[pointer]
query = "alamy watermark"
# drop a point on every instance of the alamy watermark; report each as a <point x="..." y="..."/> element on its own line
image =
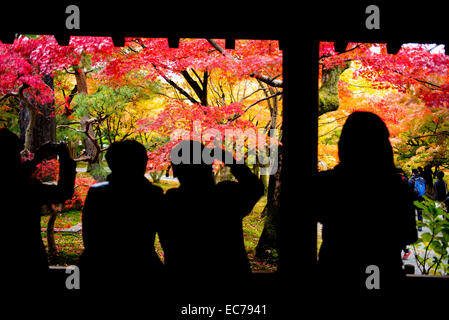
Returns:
<point x="250" y="146"/>
<point x="373" y="280"/>
<point x="73" y="280"/>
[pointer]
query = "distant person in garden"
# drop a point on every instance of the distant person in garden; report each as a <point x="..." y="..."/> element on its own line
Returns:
<point x="120" y="220"/>
<point x="440" y="188"/>
<point x="401" y="173"/>
<point x="366" y="222"/>
<point x="202" y="236"/>
<point x="24" y="261"/>
<point x="411" y="182"/>
<point x="428" y="178"/>
<point x="418" y="185"/>
<point x="421" y="171"/>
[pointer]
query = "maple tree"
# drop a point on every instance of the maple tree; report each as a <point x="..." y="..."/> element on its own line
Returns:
<point x="196" y="72"/>
<point x="407" y="90"/>
<point x="26" y="83"/>
<point x="145" y="90"/>
<point x="22" y="78"/>
<point x="415" y="68"/>
<point x="26" y="63"/>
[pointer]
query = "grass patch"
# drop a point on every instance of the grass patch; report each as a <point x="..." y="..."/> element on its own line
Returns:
<point x="252" y="229"/>
<point x="64" y="220"/>
<point x="166" y="185"/>
<point x="70" y="246"/>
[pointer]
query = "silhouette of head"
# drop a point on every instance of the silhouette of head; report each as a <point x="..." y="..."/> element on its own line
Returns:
<point x="364" y="142"/>
<point x="400" y="171"/>
<point x="127" y="158"/>
<point x="10" y="150"/>
<point x="440" y="175"/>
<point x="189" y="165"/>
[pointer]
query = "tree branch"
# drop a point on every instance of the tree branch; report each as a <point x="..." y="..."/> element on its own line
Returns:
<point x="337" y="54"/>
<point x="220" y="49"/>
<point x="69" y="127"/>
<point x="10" y="94"/>
<point x="69" y="72"/>
<point x="174" y="85"/>
<point x="235" y="117"/>
<point x="265" y="79"/>
<point x="268" y="80"/>
<point x="446" y="133"/>
<point x="263" y="99"/>
<point x="194" y="85"/>
<point x="85" y="125"/>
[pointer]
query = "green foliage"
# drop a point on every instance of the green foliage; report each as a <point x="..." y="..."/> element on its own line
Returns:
<point x="431" y="249"/>
<point x="98" y="172"/>
<point x="328" y="92"/>
<point x="105" y="101"/>
<point x="426" y="141"/>
<point x="332" y="138"/>
<point x="9" y="115"/>
<point x="114" y="108"/>
<point x="156" y="175"/>
<point x="153" y="140"/>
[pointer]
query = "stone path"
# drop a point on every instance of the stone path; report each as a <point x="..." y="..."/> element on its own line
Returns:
<point x="74" y="229"/>
<point x="163" y="178"/>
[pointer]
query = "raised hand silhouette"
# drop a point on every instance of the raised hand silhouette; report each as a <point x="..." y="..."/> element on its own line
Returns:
<point x="24" y="258"/>
<point x="202" y="234"/>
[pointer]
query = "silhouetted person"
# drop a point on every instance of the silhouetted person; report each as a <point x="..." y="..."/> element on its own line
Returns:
<point x="120" y="219"/>
<point x="404" y="179"/>
<point x="411" y="181"/>
<point x="440" y="188"/>
<point x="202" y="236"/>
<point x="24" y="261"/>
<point x="428" y="178"/>
<point x="366" y="220"/>
<point x="415" y="183"/>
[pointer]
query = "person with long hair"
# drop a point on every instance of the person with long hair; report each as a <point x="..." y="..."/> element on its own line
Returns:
<point x="366" y="210"/>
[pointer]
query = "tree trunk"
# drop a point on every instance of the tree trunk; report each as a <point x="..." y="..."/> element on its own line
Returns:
<point x="224" y="174"/>
<point x="28" y="136"/>
<point x="52" y="249"/>
<point x="73" y="148"/>
<point x="269" y="239"/>
<point x="89" y="145"/>
<point x="37" y="128"/>
<point x="328" y="92"/>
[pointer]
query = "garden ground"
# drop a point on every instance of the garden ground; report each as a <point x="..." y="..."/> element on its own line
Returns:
<point x="70" y="245"/>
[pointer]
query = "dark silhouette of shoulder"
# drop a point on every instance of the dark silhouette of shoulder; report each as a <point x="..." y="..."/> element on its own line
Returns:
<point x="120" y="221"/>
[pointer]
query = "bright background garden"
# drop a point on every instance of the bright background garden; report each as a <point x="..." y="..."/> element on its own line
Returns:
<point x="91" y="93"/>
<point x="409" y="90"/>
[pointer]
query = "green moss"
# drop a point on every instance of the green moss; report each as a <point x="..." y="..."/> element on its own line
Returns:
<point x="328" y="102"/>
<point x="328" y="93"/>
